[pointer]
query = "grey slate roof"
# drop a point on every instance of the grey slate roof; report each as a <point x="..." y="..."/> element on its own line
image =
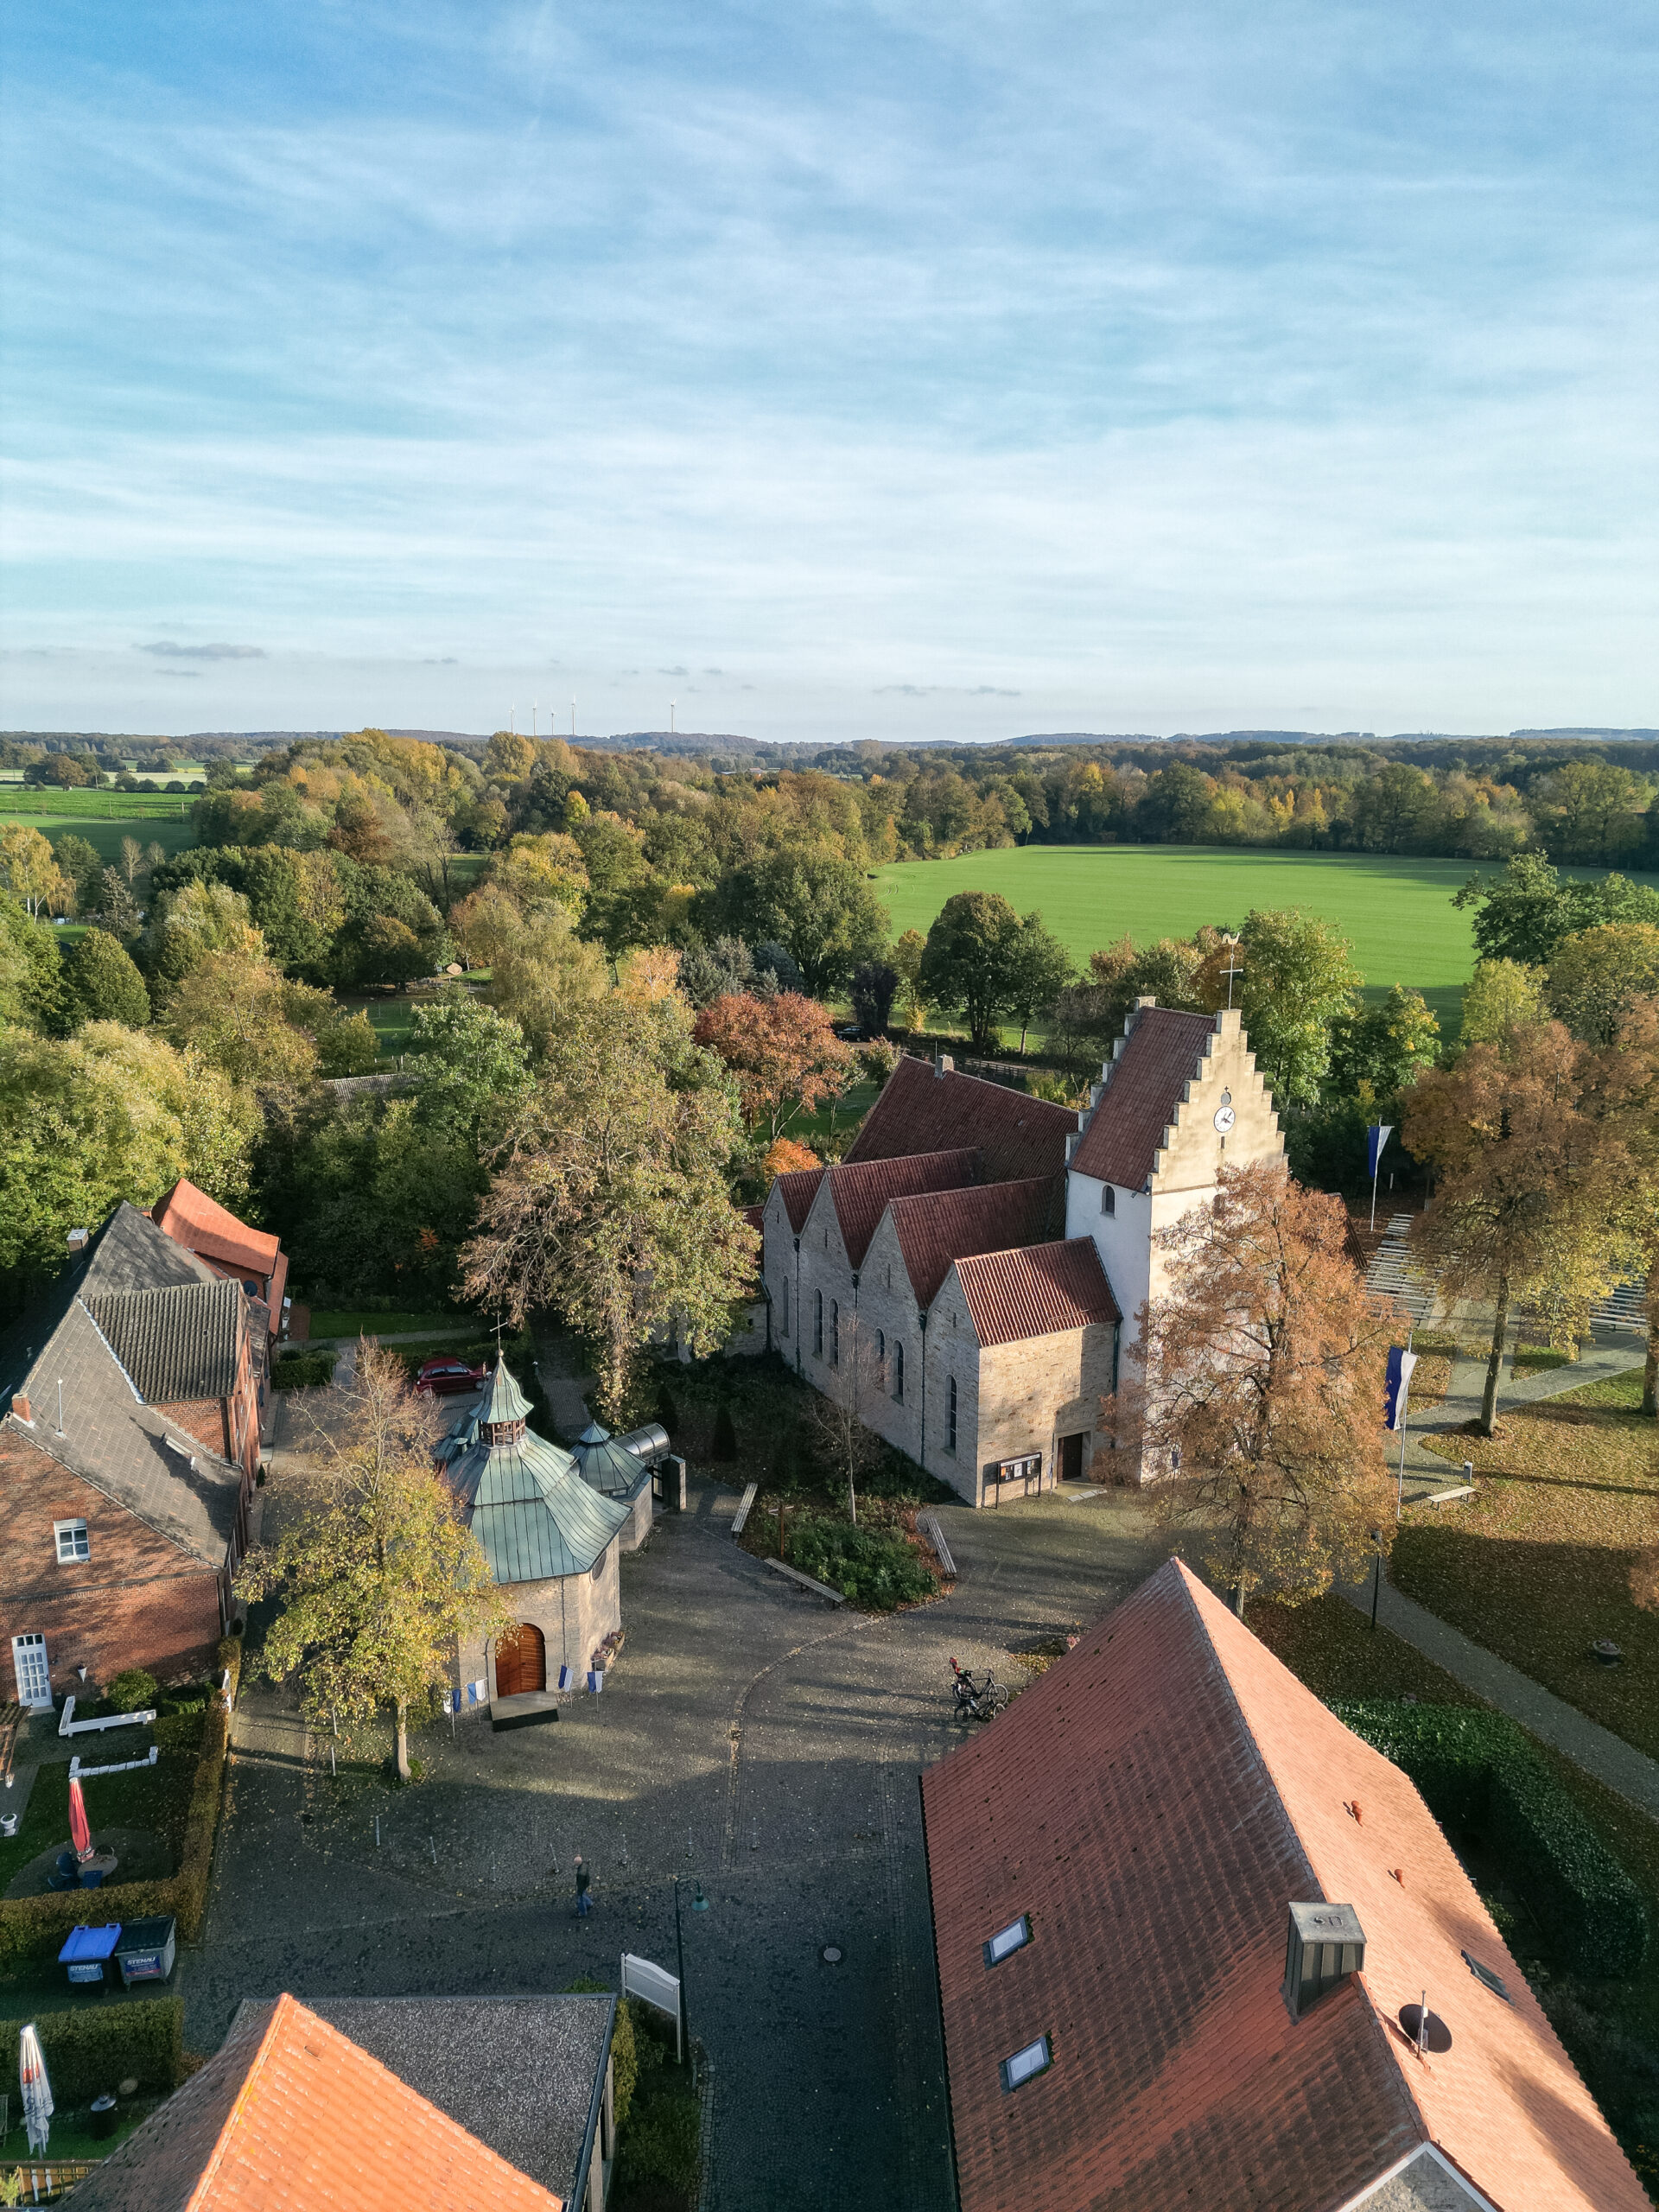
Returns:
<point x="129" y="1253"/>
<point x="119" y="1444"/>
<point x="110" y="1437"/>
<point x="176" y="1344"/>
<point x="522" y="1499"/>
<point x="520" y="2073"/>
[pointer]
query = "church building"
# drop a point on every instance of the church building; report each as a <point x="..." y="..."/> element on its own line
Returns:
<point x="970" y="1278"/>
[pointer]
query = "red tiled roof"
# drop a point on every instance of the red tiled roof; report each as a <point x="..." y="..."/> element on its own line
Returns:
<point x="1162" y="1054"/>
<point x="754" y="1216"/>
<point x="800" y="1187"/>
<point x="190" y="1218"/>
<point x="919" y="1111"/>
<point x="1036" y="1292"/>
<point x="945" y="1226"/>
<point x="1154" y="1803"/>
<point x="289" y="2114"/>
<point x="860" y="1190"/>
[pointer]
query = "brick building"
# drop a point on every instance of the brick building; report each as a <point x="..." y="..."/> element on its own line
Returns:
<point x="229" y="1248"/>
<point x="969" y="1278"/>
<point x="1185" y="1921"/>
<point x="128" y="1441"/>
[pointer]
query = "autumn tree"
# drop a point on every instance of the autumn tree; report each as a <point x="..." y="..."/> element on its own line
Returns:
<point x="1254" y="1395"/>
<point x="608" y="1201"/>
<point x="1623" y="1094"/>
<point x="1529" y="1185"/>
<point x="783" y="1051"/>
<point x="1598" y="975"/>
<point x="29" y="870"/>
<point x="906" y="957"/>
<point x="378" y="1576"/>
<point x="1501" y="995"/>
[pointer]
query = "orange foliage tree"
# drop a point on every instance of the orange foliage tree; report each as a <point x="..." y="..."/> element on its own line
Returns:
<point x="1255" y="1393"/>
<point x="783" y="1051"/>
<point x="1531" y="1196"/>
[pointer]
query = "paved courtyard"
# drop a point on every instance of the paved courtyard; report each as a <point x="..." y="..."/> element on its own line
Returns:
<point x="753" y="1740"/>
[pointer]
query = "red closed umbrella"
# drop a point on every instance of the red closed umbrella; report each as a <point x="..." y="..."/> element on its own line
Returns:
<point x="80" y="1833"/>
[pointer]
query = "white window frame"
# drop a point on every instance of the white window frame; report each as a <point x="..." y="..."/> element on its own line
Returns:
<point x="62" y="1529"/>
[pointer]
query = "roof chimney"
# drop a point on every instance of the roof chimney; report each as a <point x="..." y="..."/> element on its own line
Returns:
<point x="942" y="1065"/>
<point x="78" y="1239"/>
<point x="1325" y="1945"/>
<point x="22" y="1408"/>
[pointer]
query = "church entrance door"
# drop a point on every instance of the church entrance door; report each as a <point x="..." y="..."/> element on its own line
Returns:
<point x="1072" y="1459"/>
<point x="521" y="1665"/>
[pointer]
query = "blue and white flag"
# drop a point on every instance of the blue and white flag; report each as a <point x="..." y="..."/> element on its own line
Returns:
<point x="565" y="1678"/>
<point x="595" y="1680"/>
<point x="478" y="1693"/>
<point x="454" y="1700"/>
<point x="1398" y="1384"/>
<point x="1376" y="1137"/>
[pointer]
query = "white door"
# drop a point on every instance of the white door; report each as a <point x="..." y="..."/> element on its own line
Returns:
<point x="34" y="1676"/>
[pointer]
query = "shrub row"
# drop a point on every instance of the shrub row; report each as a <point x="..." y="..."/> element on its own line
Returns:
<point x="34" y="1928"/>
<point x="1478" y="1769"/>
<point x="302" y="1371"/>
<point x="875" y="1571"/>
<point x="94" y="2050"/>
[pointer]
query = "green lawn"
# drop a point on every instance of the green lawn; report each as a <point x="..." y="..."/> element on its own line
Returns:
<point x="31" y="802"/>
<point x="339" y="1323"/>
<point x="1398" y="913"/>
<point x="104" y="832"/>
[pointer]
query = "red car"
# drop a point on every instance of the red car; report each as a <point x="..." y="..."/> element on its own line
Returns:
<point x="447" y="1377"/>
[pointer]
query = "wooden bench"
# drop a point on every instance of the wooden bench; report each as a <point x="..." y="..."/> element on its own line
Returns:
<point x="12" y="1718"/>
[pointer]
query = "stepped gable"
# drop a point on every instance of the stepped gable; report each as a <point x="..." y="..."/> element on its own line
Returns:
<point x="800" y="1187"/>
<point x="1153" y="1804"/>
<point x="1162" y="1052"/>
<point x="1036" y="1292"/>
<point x="925" y="1106"/>
<point x="939" y="1226"/>
<point x="862" y="1190"/>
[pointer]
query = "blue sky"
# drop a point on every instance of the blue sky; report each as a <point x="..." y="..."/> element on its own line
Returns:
<point x="851" y="370"/>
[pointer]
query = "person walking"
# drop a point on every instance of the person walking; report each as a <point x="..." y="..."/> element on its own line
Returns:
<point x="584" y="1903"/>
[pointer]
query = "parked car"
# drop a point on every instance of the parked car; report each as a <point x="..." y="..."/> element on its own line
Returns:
<point x="447" y="1377"/>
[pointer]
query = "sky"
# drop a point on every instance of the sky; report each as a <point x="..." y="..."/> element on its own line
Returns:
<point x="843" y="369"/>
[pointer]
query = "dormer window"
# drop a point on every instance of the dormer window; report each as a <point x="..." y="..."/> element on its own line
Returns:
<point x="1008" y="1941"/>
<point x="1108" y="1198"/>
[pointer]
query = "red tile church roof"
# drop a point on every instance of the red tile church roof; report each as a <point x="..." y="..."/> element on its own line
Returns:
<point x="941" y="1226"/>
<point x="1036" y="1292"/>
<point x="1153" y="1804"/>
<point x="1163" y="1052"/>
<point x="862" y="1190"/>
<point x="921" y="1111"/>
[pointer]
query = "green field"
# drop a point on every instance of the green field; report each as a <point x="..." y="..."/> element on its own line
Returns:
<point x="1397" y="914"/>
<point x="31" y="803"/>
<point x="103" y="832"/>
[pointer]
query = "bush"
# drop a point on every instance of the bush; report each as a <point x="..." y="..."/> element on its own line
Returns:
<point x="89" y="2051"/>
<point x="875" y="1571"/>
<point x="1477" y="1769"/>
<point x="302" y="1371"/>
<point x="625" y="2056"/>
<point x="131" y="1691"/>
<point x="660" y="2148"/>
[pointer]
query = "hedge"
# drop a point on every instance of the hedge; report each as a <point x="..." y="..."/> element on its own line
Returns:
<point x="1478" y="1769"/>
<point x="94" y="2050"/>
<point x="875" y="1571"/>
<point x="302" y="1371"/>
<point x="33" y="1930"/>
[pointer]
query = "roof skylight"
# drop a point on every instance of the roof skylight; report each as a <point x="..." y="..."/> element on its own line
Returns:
<point x="1025" y="2065"/>
<point x="1006" y="1941"/>
<point x="1485" y="1975"/>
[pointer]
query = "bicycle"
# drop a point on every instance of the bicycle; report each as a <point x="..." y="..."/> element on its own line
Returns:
<point x="976" y="1701"/>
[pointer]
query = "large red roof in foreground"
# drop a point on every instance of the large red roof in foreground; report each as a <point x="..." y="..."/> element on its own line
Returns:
<point x="289" y="2114"/>
<point x="1155" y="1802"/>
